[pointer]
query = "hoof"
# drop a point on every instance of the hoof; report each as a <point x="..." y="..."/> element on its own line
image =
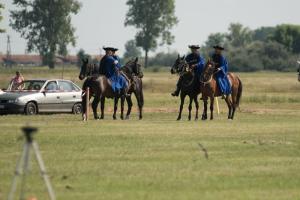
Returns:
<point x="141" y="117"/>
<point x="178" y="119"/>
<point x="114" y="117"/>
<point x="196" y="119"/>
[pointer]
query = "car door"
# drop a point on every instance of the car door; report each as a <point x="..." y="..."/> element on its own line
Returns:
<point x="69" y="96"/>
<point x="51" y="100"/>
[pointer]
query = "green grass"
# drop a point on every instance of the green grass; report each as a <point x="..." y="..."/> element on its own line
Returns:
<point x="256" y="156"/>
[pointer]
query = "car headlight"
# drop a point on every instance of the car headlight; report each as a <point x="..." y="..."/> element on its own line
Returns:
<point x="13" y="101"/>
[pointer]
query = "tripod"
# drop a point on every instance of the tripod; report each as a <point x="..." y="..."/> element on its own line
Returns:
<point x="23" y="166"/>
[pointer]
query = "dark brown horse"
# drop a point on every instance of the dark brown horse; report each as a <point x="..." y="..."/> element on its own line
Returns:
<point x="190" y="85"/>
<point x="136" y="87"/>
<point x="100" y="86"/>
<point x="210" y="89"/>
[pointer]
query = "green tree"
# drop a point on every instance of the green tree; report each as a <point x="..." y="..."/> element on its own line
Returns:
<point x="289" y="36"/>
<point x="46" y="25"/>
<point x="153" y="19"/>
<point x="163" y="59"/>
<point x="215" y="39"/>
<point x="1" y="7"/>
<point x="263" y="33"/>
<point x="239" y="35"/>
<point x="131" y="50"/>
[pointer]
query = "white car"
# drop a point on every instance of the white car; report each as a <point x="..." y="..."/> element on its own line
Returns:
<point x="42" y="96"/>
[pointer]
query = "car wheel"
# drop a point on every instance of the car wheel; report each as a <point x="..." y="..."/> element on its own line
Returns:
<point x="77" y="109"/>
<point x="30" y="109"/>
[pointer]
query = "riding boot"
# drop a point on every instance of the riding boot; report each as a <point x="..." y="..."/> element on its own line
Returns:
<point x="178" y="87"/>
<point x="123" y="93"/>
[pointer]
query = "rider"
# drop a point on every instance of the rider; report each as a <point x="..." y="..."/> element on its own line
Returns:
<point x="221" y="75"/>
<point x="195" y="62"/>
<point x="110" y="66"/>
<point x="108" y="52"/>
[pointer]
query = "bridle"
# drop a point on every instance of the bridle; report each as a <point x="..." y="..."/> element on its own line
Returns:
<point x="211" y="76"/>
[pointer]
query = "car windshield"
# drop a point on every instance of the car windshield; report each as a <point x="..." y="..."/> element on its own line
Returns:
<point x="33" y="84"/>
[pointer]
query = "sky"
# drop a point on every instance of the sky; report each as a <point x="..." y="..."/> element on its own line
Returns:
<point x="101" y="22"/>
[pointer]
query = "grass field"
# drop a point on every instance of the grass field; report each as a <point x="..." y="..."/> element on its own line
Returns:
<point x="256" y="156"/>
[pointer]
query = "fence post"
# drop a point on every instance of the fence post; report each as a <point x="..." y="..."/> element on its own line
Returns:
<point x="217" y="104"/>
<point x="87" y="96"/>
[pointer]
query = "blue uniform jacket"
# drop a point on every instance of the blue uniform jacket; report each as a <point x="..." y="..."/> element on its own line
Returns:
<point x="112" y="66"/>
<point x="198" y="60"/>
<point x="221" y="76"/>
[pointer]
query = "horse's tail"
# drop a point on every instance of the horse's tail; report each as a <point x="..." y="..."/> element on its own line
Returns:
<point x="141" y="93"/>
<point x="240" y="91"/>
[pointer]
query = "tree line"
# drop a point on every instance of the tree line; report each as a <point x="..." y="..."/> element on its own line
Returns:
<point x="46" y="26"/>
<point x="265" y="48"/>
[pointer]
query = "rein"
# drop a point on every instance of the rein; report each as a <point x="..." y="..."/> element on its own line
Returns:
<point x="207" y="82"/>
<point x="210" y="79"/>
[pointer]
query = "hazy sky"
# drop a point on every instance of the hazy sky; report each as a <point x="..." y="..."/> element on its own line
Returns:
<point x="101" y="22"/>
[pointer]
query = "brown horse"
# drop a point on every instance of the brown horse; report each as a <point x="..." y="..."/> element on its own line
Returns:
<point x="190" y="85"/>
<point x="210" y="89"/>
<point x="100" y="86"/>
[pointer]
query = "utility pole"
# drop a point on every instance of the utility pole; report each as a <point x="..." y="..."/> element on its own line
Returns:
<point x="8" y="53"/>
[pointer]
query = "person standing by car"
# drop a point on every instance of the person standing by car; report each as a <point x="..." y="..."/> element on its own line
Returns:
<point x="16" y="82"/>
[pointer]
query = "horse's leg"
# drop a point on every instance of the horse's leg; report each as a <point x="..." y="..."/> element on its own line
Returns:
<point x="94" y="107"/>
<point x="129" y="104"/>
<point x="116" y="100"/>
<point x="197" y="106"/>
<point x="212" y="99"/>
<point x="190" y="108"/>
<point x="122" y="107"/>
<point x="233" y="105"/>
<point x="229" y="104"/>
<point x="102" y="107"/>
<point x="204" y="115"/>
<point x="140" y="100"/>
<point x="234" y="99"/>
<point x="182" y="97"/>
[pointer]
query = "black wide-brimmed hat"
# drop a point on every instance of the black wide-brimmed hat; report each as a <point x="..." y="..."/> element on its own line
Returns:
<point x="108" y="48"/>
<point x="194" y="46"/>
<point x="218" y="47"/>
<point x="115" y="49"/>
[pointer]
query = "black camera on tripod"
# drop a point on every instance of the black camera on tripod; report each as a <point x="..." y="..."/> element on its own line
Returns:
<point x="28" y="132"/>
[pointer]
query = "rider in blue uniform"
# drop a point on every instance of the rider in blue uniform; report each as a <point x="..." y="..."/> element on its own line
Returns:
<point x="195" y="62"/>
<point x="110" y="66"/>
<point x="221" y="75"/>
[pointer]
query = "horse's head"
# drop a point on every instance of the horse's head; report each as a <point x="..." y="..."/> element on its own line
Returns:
<point x="179" y="65"/>
<point x="83" y="69"/>
<point x="134" y="68"/>
<point x="208" y="71"/>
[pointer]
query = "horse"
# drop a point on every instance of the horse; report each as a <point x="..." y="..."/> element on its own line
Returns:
<point x="210" y="89"/>
<point x="100" y="87"/>
<point x="190" y="85"/>
<point x="136" y="87"/>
